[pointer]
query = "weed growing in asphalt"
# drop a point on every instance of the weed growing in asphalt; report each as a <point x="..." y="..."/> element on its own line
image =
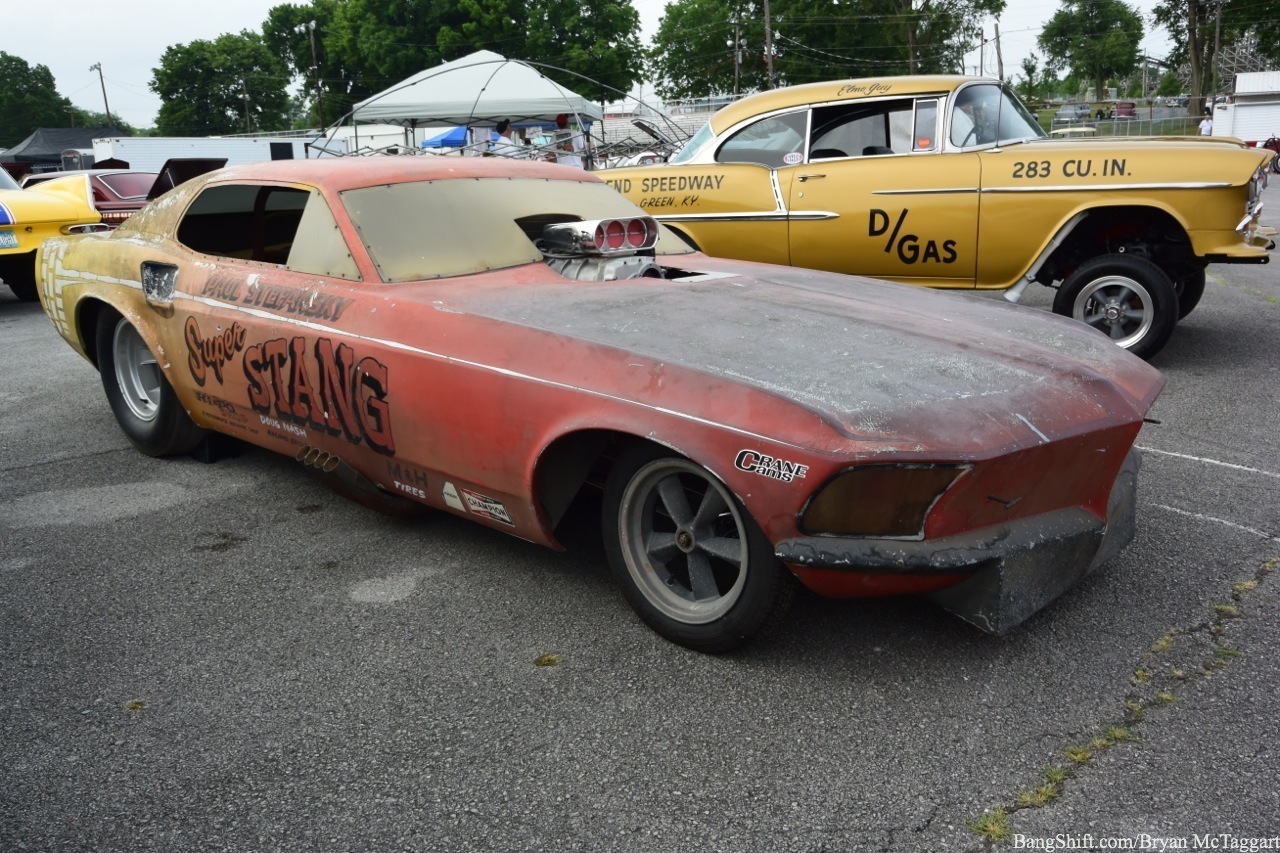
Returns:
<point x="1149" y="691"/>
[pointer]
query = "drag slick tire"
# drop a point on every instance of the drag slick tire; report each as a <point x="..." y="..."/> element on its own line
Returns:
<point x="142" y="399"/>
<point x="1127" y="298"/>
<point x="686" y="554"/>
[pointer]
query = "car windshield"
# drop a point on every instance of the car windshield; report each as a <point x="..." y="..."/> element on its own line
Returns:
<point x="694" y="145"/>
<point x="434" y="229"/>
<point x="976" y="111"/>
<point x="7" y="182"/>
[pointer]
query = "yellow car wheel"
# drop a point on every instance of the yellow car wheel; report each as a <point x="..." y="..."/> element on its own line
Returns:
<point x="1127" y="298"/>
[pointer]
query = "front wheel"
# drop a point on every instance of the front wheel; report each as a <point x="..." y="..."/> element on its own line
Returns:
<point x="142" y="399"/>
<point x="1128" y="298"/>
<point x="687" y="556"/>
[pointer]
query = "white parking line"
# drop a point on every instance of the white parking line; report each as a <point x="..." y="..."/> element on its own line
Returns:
<point x="1202" y="517"/>
<point x="1209" y="461"/>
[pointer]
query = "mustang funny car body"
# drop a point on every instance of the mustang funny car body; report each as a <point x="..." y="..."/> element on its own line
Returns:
<point x="489" y="338"/>
<point x="949" y="182"/>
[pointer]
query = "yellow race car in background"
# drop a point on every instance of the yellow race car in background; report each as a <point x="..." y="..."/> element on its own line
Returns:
<point x="60" y="206"/>
<point x="949" y="182"/>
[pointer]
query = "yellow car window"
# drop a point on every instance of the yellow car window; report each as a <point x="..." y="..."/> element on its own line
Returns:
<point x="767" y="142"/>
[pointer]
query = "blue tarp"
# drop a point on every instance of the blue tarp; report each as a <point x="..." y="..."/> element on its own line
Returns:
<point x="455" y="138"/>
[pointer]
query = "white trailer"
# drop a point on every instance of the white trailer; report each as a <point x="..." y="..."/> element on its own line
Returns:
<point x="149" y="153"/>
<point x="1252" y="113"/>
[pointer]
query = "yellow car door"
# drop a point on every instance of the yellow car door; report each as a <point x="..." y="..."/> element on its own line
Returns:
<point x="878" y="196"/>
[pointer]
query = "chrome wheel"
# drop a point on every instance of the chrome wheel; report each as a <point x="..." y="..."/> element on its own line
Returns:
<point x="1126" y="297"/>
<point x="137" y="372"/>
<point x="683" y="540"/>
<point x="1118" y="306"/>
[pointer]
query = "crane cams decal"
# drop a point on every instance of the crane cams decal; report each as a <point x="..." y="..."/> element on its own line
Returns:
<point x="767" y="466"/>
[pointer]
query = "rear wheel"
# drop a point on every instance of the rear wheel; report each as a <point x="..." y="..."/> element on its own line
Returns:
<point x="142" y="399"/>
<point x="1128" y="298"/>
<point x="687" y="556"/>
<point x="19" y="272"/>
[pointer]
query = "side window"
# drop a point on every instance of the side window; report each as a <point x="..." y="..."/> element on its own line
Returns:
<point x="255" y="222"/>
<point x="862" y="130"/>
<point x="767" y="142"/>
<point x="926" y="136"/>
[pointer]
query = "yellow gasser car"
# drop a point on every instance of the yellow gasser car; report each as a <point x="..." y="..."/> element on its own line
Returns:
<point x="61" y="206"/>
<point x="948" y="181"/>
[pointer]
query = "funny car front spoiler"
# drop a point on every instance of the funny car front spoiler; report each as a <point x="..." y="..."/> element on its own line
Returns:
<point x="1014" y="570"/>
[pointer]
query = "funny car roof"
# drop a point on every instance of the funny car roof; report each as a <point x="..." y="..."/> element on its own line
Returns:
<point x="343" y="173"/>
<point x="836" y="90"/>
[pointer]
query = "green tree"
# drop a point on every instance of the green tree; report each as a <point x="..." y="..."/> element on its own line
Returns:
<point x="693" y="52"/>
<point x="1199" y="27"/>
<point x="297" y="34"/>
<point x="91" y="118"/>
<point x="1170" y="84"/>
<point x="597" y="42"/>
<point x="232" y="84"/>
<point x="1029" y="86"/>
<point x="365" y="46"/>
<point x="28" y="99"/>
<point x="1191" y="25"/>
<point x="813" y="40"/>
<point x="1095" y="39"/>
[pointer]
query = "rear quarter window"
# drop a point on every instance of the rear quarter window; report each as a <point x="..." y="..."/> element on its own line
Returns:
<point x="283" y="225"/>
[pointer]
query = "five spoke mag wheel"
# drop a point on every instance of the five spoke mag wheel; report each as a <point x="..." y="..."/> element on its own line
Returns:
<point x="1126" y="297"/>
<point x="141" y="398"/>
<point x="689" y="559"/>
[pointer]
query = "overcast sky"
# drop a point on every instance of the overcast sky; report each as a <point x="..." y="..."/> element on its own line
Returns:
<point x="129" y="36"/>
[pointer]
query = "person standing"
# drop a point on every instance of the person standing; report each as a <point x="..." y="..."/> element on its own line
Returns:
<point x="504" y="145"/>
<point x="568" y="143"/>
<point x="1206" y="126"/>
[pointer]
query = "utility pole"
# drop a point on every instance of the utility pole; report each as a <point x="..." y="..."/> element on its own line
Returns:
<point x="245" y="94"/>
<point x="315" y="71"/>
<point x="737" y="44"/>
<point x="768" y="45"/>
<point x="999" y="55"/>
<point x="1217" y="43"/>
<point x="97" y="66"/>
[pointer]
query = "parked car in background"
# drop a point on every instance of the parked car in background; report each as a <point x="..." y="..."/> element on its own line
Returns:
<point x="496" y="339"/>
<point x="950" y="182"/>
<point x="1073" y="112"/>
<point x="1124" y="110"/>
<point x="61" y="206"/>
<point x="119" y="193"/>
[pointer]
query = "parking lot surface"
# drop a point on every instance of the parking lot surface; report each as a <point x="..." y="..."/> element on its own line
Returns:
<point x="228" y="656"/>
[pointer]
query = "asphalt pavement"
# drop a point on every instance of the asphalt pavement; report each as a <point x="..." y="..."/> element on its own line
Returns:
<point x="230" y="657"/>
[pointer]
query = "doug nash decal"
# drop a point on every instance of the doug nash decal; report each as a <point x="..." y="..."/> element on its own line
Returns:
<point x="767" y="466"/>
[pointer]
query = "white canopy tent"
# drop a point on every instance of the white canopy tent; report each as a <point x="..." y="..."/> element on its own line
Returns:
<point x="479" y="89"/>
